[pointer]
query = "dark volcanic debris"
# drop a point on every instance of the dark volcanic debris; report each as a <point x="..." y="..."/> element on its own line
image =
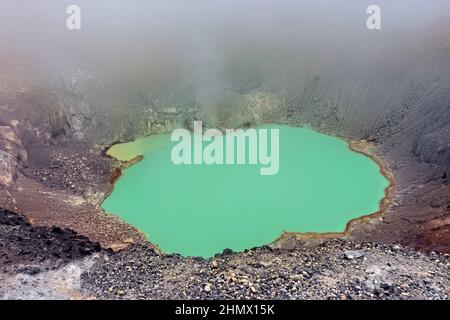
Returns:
<point x="25" y="248"/>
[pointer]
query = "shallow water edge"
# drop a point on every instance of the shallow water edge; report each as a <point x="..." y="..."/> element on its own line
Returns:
<point x="295" y="239"/>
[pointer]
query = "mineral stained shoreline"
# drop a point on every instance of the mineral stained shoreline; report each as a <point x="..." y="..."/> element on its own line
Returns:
<point x="301" y="238"/>
<point x="295" y="239"/>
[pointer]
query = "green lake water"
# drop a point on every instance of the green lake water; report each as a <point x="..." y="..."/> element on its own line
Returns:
<point x="199" y="210"/>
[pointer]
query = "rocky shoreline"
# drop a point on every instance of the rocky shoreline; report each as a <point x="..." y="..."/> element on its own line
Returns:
<point x="336" y="269"/>
<point x="298" y="239"/>
<point x="63" y="265"/>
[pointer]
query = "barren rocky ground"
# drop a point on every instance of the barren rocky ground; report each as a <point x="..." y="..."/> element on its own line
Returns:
<point x="52" y="263"/>
<point x="333" y="270"/>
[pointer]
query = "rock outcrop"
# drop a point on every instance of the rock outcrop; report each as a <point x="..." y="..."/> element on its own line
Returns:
<point x="12" y="155"/>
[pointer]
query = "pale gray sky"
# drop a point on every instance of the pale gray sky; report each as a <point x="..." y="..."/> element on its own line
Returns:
<point x="207" y="40"/>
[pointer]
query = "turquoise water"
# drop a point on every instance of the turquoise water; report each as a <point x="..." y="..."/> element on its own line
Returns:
<point x="199" y="210"/>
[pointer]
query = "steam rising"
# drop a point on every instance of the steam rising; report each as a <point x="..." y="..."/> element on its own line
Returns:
<point x="209" y="54"/>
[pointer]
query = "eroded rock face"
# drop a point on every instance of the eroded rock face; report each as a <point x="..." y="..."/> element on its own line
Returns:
<point x="12" y="155"/>
<point x="6" y="169"/>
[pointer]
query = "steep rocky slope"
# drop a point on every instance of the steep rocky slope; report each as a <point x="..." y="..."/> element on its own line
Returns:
<point x="400" y="104"/>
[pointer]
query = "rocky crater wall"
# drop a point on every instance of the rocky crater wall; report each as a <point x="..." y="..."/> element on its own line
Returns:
<point x="391" y="88"/>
